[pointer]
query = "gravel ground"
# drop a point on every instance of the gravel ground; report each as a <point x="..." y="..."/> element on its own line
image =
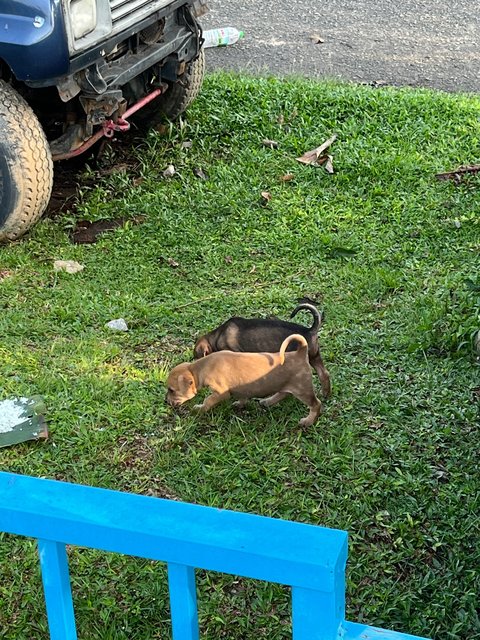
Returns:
<point x="426" y="43"/>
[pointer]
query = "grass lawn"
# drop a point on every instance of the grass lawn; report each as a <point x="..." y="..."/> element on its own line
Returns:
<point x="392" y="256"/>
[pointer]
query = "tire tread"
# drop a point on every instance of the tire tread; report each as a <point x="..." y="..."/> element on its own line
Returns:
<point x="25" y="135"/>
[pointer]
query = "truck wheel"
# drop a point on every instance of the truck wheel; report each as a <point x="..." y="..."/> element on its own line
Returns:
<point x="183" y="92"/>
<point x="26" y="167"/>
<point x="176" y="99"/>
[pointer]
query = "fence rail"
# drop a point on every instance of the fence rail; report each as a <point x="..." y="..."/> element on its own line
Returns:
<point x="308" y="558"/>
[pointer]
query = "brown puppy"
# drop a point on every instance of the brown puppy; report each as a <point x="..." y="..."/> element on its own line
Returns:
<point x="247" y="375"/>
<point x="254" y="335"/>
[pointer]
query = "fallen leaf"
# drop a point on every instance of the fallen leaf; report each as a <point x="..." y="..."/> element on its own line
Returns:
<point x="116" y="168"/>
<point x="314" y="156"/>
<point x="457" y="173"/>
<point x="173" y="263"/>
<point x="272" y="144"/>
<point x="169" y="171"/>
<point x="329" y="164"/>
<point x="162" y="129"/>
<point x="228" y="259"/>
<point x="199" y="173"/>
<point x="138" y="181"/>
<point x="441" y="475"/>
<point x="316" y="39"/>
<point x="70" y="266"/>
<point x="287" y="177"/>
<point x="86" y="232"/>
<point x="4" y="273"/>
<point x="267" y="196"/>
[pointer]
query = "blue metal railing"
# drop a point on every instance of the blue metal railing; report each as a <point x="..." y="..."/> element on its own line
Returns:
<point x="308" y="558"/>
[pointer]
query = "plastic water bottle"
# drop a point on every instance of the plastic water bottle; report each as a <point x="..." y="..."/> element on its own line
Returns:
<point x="221" y="37"/>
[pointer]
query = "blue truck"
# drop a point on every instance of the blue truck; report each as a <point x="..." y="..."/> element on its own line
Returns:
<point x="73" y="71"/>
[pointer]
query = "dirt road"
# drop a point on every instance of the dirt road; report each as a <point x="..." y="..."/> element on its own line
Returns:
<point x="429" y="43"/>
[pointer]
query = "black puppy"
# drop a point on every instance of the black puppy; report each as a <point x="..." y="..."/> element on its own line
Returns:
<point x="252" y="335"/>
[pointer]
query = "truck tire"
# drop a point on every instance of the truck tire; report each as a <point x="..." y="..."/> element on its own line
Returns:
<point x="182" y="93"/>
<point x="176" y="99"/>
<point x="26" y="167"/>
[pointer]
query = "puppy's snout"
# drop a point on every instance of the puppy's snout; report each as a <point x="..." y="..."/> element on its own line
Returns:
<point x="170" y="397"/>
<point x="171" y="400"/>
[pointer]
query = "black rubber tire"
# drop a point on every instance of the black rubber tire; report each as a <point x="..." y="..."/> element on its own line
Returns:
<point x="177" y="98"/>
<point x="26" y="167"/>
<point x="182" y="93"/>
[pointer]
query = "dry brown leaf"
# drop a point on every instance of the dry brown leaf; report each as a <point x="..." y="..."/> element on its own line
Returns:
<point x="70" y="266"/>
<point x="122" y="167"/>
<point x="457" y="173"/>
<point x="287" y="177"/>
<point x="200" y="173"/>
<point x="267" y="196"/>
<point x="272" y="144"/>
<point x="162" y="129"/>
<point x="228" y="259"/>
<point x="5" y="273"/>
<point x="173" y="263"/>
<point x="138" y="181"/>
<point x="329" y="164"/>
<point x="314" y="156"/>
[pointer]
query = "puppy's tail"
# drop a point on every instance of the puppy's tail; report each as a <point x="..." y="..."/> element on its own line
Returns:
<point x="298" y="338"/>
<point x="317" y="316"/>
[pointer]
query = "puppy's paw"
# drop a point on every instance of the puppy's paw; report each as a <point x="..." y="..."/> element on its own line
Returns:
<point x="305" y="422"/>
<point x="239" y="404"/>
<point x="198" y="408"/>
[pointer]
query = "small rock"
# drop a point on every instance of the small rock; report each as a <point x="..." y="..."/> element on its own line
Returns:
<point x="117" y="325"/>
<point x="169" y="171"/>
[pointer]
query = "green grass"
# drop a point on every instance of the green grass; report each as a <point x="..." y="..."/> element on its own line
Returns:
<point x="393" y="256"/>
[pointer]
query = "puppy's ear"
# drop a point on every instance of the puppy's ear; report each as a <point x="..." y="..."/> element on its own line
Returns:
<point x="187" y="381"/>
<point x="202" y="348"/>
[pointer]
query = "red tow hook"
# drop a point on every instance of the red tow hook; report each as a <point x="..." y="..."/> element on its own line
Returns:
<point x="109" y="126"/>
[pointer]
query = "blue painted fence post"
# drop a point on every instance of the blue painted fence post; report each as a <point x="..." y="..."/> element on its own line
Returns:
<point x="319" y="615"/>
<point x="58" y="594"/>
<point x="183" y="602"/>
